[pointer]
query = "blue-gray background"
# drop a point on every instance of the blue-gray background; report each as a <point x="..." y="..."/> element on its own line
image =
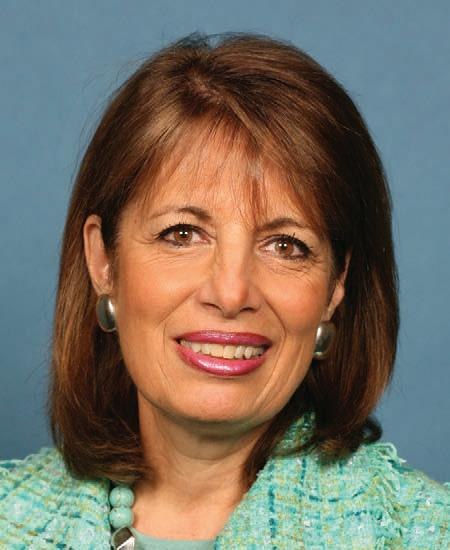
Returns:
<point x="60" y="60"/>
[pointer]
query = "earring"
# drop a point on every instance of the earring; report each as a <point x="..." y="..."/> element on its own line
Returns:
<point x="105" y="313"/>
<point x="326" y="332"/>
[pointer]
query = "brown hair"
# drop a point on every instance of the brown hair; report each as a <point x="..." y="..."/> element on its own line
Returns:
<point x="291" y="111"/>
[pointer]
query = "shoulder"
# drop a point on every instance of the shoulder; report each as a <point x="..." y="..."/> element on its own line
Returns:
<point x="419" y="505"/>
<point x="41" y="504"/>
<point x="402" y="505"/>
<point x="370" y="499"/>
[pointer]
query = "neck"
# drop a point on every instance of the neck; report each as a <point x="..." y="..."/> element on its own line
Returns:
<point x="196" y="466"/>
<point x="192" y="457"/>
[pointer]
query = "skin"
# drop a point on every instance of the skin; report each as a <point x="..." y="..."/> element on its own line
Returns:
<point x="229" y="275"/>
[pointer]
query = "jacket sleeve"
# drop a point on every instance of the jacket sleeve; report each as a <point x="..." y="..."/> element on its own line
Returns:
<point x="43" y="507"/>
<point x="425" y="511"/>
<point x="412" y="510"/>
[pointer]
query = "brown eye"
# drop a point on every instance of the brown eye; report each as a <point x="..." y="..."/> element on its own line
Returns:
<point x="180" y="235"/>
<point x="285" y="248"/>
<point x="289" y="248"/>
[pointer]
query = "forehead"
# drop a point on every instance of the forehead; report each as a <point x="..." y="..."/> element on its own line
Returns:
<point x="224" y="172"/>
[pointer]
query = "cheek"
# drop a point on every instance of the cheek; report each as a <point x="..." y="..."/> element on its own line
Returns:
<point x="148" y="290"/>
<point x="301" y="305"/>
<point x="146" y="294"/>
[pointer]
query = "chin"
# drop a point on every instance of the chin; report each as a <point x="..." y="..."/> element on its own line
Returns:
<point x="213" y="414"/>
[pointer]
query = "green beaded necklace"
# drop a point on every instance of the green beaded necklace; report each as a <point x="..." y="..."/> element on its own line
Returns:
<point x="121" y="517"/>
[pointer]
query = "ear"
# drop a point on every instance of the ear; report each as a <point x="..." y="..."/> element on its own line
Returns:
<point x="338" y="291"/>
<point x="97" y="260"/>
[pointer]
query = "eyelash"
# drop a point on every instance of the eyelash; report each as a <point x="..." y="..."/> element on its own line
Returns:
<point x="178" y="227"/>
<point x="291" y="239"/>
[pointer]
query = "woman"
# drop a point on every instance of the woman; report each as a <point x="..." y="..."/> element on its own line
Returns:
<point x="226" y="322"/>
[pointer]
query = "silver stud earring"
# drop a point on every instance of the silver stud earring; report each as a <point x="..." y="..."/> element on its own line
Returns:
<point x="324" y="338"/>
<point x="106" y="317"/>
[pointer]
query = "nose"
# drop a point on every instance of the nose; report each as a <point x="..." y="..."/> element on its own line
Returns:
<point x="230" y="286"/>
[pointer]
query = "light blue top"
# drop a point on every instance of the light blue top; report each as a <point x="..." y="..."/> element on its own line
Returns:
<point x="145" y="542"/>
<point x="371" y="499"/>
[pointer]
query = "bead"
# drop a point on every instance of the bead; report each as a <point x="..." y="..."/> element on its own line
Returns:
<point x="121" y="517"/>
<point x="121" y="496"/>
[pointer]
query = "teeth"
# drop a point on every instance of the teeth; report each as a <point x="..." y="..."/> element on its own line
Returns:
<point x="228" y="351"/>
<point x="216" y="350"/>
<point x="205" y="349"/>
<point x="248" y="352"/>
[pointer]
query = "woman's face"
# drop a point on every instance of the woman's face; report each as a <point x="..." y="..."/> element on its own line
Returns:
<point x="195" y="261"/>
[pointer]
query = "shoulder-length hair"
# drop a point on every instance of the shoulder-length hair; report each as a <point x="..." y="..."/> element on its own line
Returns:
<point x="291" y="111"/>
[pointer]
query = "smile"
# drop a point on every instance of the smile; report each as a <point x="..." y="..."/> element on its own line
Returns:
<point x="222" y="360"/>
<point x="224" y="351"/>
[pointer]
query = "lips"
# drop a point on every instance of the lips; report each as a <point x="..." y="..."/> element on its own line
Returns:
<point x="221" y="366"/>
<point x="234" y="338"/>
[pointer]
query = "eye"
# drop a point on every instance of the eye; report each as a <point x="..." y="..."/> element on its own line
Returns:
<point x="181" y="234"/>
<point x="289" y="247"/>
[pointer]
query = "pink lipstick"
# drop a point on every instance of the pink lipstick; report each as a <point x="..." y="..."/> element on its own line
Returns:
<point x="233" y="338"/>
<point x="221" y="366"/>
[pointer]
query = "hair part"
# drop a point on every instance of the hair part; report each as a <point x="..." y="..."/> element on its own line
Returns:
<point x="282" y="110"/>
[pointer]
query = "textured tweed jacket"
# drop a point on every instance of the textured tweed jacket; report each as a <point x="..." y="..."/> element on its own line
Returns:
<point x="372" y="500"/>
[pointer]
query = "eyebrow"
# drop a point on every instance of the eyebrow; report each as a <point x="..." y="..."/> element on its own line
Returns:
<point x="196" y="211"/>
<point x="279" y="223"/>
<point x="203" y="215"/>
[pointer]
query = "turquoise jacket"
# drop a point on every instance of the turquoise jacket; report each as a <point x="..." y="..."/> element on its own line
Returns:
<point x="371" y="500"/>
